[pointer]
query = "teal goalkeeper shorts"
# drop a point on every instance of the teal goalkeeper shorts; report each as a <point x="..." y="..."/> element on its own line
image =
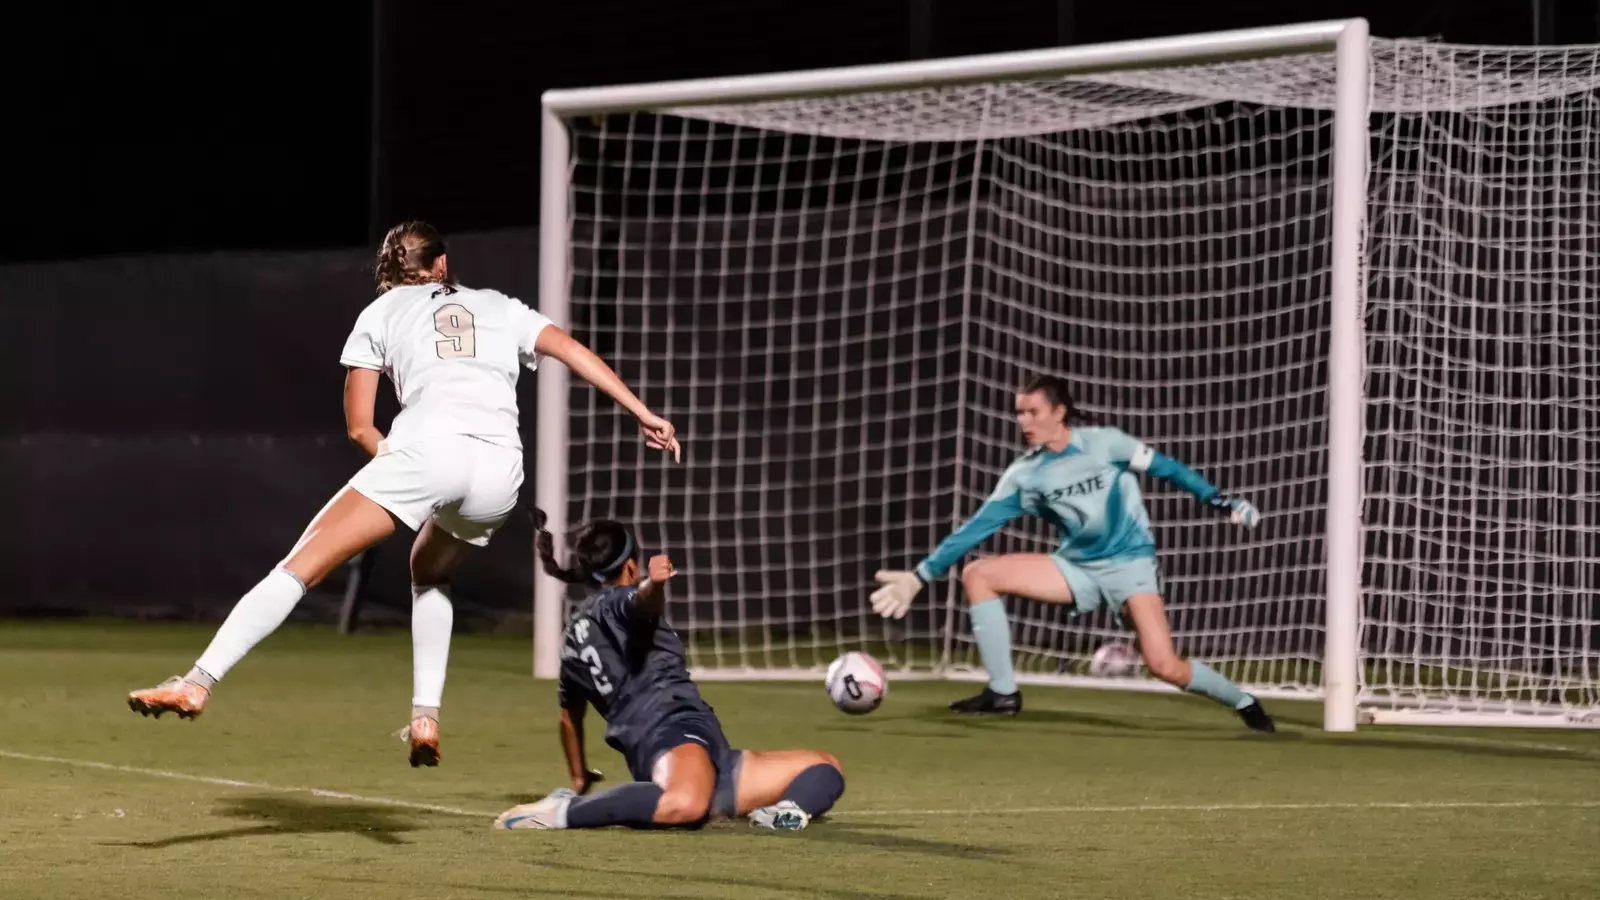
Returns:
<point x="1108" y="583"/>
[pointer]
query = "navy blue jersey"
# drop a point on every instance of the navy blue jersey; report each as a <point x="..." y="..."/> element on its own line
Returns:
<point x="629" y="667"/>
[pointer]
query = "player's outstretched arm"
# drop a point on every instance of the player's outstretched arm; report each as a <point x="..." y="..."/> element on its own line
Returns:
<point x="651" y="598"/>
<point x="557" y="344"/>
<point x="583" y="777"/>
<point x="360" y="396"/>
<point x="1140" y="457"/>
<point x="897" y="589"/>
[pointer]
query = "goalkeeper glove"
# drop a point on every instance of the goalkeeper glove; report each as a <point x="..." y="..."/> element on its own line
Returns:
<point x="894" y="597"/>
<point x="1238" y="510"/>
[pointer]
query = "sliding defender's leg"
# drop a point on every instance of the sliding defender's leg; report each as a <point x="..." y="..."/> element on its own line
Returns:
<point x="683" y="789"/>
<point x="786" y="789"/>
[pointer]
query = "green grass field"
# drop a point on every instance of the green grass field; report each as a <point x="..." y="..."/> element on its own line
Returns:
<point x="292" y="785"/>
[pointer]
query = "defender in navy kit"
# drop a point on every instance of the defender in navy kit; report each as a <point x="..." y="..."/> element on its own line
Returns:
<point x="622" y="658"/>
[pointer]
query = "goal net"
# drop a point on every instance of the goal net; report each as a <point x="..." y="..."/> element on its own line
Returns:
<point x="835" y="296"/>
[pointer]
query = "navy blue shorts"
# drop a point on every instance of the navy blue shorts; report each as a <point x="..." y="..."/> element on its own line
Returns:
<point x="694" y="728"/>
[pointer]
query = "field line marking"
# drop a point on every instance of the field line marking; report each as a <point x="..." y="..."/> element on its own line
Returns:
<point x="1230" y="807"/>
<point x="250" y="785"/>
<point x="843" y="813"/>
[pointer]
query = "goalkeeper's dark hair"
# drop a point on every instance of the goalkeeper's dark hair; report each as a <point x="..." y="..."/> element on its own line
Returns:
<point x="1057" y="391"/>
<point x="600" y="547"/>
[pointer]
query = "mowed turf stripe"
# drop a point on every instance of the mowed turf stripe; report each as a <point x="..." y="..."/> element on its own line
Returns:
<point x="1133" y="808"/>
<point x="248" y="785"/>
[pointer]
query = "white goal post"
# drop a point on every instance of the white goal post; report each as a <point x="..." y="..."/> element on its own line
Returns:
<point x="1305" y="261"/>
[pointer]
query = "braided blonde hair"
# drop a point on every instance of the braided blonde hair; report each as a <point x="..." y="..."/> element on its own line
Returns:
<point x="407" y="256"/>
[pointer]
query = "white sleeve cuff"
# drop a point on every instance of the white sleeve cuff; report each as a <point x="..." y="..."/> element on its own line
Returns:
<point x="539" y="325"/>
<point x="1141" y="459"/>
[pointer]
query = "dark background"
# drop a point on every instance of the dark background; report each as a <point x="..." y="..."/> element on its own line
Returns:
<point x="193" y="193"/>
<point x="190" y="127"/>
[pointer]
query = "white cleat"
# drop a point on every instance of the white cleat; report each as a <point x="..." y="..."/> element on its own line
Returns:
<point x="551" y="812"/>
<point x="785" y="816"/>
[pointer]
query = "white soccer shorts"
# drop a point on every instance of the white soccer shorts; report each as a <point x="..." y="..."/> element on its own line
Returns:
<point x="467" y="485"/>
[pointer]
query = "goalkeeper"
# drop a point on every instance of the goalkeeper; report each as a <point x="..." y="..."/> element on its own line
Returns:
<point x="1084" y="480"/>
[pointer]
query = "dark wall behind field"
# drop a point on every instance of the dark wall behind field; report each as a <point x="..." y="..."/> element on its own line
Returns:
<point x="172" y="422"/>
<point x="191" y="198"/>
<point x="180" y="127"/>
<point x="216" y="343"/>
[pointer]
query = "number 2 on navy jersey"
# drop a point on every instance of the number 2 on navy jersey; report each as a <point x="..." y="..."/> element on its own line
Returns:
<point x="591" y="656"/>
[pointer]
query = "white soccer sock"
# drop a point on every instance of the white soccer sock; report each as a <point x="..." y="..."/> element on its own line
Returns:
<point x="431" y="620"/>
<point x="256" y="615"/>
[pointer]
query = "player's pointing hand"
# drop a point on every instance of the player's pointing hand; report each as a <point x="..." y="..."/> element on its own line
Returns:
<point x="661" y="568"/>
<point x="659" y="434"/>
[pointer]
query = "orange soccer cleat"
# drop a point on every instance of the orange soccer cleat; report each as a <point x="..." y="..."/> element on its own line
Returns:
<point x="424" y="737"/>
<point x="176" y="694"/>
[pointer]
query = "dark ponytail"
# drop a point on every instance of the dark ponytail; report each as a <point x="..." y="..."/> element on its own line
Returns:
<point x="599" y="550"/>
<point x="1056" y="391"/>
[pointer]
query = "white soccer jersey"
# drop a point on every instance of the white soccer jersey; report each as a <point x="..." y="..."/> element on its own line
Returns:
<point x="453" y="353"/>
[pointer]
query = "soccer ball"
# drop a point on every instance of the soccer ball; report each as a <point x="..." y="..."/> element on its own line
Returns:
<point x="856" y="683"/>
<point x="1113" y="660"/>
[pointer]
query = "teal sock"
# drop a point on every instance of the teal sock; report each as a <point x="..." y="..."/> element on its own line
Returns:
<point x="993" y="634"/>
<point x="1205" y="681"/>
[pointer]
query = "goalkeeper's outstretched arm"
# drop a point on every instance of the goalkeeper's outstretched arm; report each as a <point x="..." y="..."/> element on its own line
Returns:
<point x="992" y="516"/>
<point x="897" y="589"/>
<point x="1137" y="456"/>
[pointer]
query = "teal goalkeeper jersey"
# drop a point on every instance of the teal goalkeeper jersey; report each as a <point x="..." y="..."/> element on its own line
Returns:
<point x="1089" y="491"/>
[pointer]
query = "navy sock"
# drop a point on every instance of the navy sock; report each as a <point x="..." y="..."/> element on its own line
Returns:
<point x="632" y="804"/>
<point x="816" y="789"/>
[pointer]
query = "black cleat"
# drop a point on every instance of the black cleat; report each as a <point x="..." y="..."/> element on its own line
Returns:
<point x="1257" y="718"/>
<point x="990" y="703"/>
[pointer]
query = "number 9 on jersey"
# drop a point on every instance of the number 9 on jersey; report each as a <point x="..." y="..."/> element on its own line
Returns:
<point x="856" y="683"/>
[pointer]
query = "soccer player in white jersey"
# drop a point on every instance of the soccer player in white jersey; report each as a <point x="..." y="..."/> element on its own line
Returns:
<point x="1083" y="480"/>
<point x="449" y="469"/>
